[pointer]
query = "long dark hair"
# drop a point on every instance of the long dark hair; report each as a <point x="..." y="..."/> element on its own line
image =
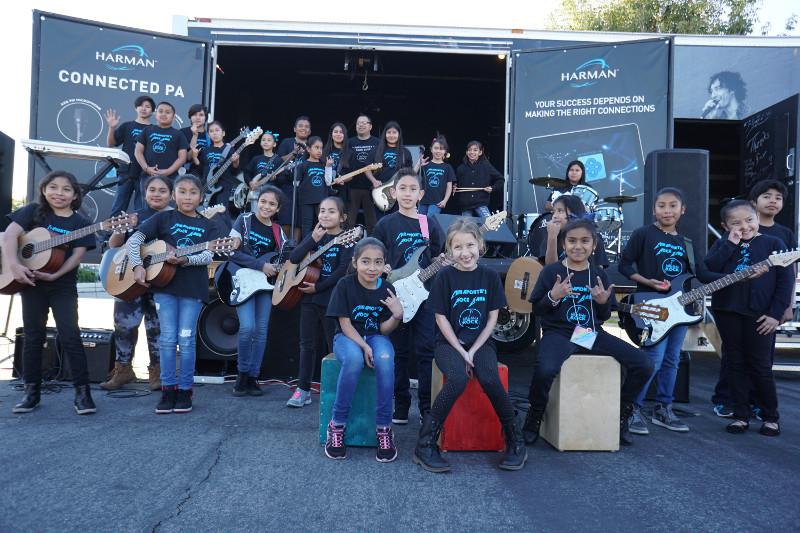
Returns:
<point x="344" y="156"/>
<point x="401" y="156"/>
<point x="44" y="208"/>
<point x="583" y="172"/>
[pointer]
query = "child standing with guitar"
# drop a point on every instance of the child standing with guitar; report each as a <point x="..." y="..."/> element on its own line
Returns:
<point x="405" y="232"/>
<point x="180" y="301"/>
<point x="466" y="299"/>
<point x="747" y="314"/>
<point x="438" y="178"/>
<point x="317" y="295"/>
<point x="261" y="166"/>
<point x="261" y="239"/>
<point x="572" y="298"/>
<point x="210" y="158"/>
<point x="367" y="311"/>
<point x="57" y="210"/>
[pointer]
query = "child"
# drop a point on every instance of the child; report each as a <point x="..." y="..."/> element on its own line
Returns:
<point x="161" y="149"/>
<point x="437" y="179"/>
<point x="362" y="152"/>
<point x="464" y="345"/>
<point x="180" y="301"/>
<point x="312" y="189"/>
<point x="262" y="165"/>
<point x="128" y="315"/>
<point x="748" y="313"/>
<point x="336" y="150"/>
<point x="367" y="311"/>
<point x="126" y="135"/>
<point x="57" y="210"/>
<point x="296" y="147"/>
<point x="575" y="175"/>
<point x="477" y="172"/>
<point x="196" y="133"/>
<point x="391" y="152"/>
<point x="403" y="232"/>
<point x="302" y="130"/>
<point x="215" y="155"/>
<point x="661" y="254"/>
<point x="318" y="294"/>
<point x="261" y="239"/>
<point x="548" y="250"/>
<point x="571" y="297"/>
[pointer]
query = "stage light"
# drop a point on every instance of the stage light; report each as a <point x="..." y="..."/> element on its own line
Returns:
<point x="501" y="56"/>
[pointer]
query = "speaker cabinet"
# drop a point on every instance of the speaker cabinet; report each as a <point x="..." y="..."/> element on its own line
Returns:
<point x="217" y="332"/>
<point x="100" y="354"/>
<point x="50" y="362"/>
<point x="6" y="177"/>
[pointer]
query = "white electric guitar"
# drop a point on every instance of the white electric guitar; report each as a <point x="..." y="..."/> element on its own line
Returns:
<point x="411" y="290"/>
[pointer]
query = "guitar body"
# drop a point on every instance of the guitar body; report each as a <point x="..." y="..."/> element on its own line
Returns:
<point x="49" y="260"/>
<point x="235" y="285"/>
<point x="380" y="195"/>
<point x="209" y="196"/>
<point x="158" y="274"/>
<point x="286" y="293"/>
<point x="520" y="280"/>
<point x="409" y="269"/>
<point x="411" y="292"/>
<point x="240" y="195"/>
<point x="646" y="332"/>
<point x="117" y="276"/>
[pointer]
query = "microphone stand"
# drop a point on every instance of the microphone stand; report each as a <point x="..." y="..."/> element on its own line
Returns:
<point x="295" y="184"/>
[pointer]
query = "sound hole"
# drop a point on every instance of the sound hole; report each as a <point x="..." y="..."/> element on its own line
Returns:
<point x="146" y="261"/>
<point x="27" y="251"/>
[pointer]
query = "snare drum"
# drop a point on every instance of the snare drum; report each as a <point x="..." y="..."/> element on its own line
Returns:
<point x="537" y="234"/>
<point x="587" y="195"/>
<point x="608" y="218"/>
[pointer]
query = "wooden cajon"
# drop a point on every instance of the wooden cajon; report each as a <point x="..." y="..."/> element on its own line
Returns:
<point x="361" y="421"/>
<point x="582" y="412"/>
<point x="472" y="424"/>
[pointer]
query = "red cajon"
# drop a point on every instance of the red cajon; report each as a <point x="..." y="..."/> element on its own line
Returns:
<point x="472" y="424"/>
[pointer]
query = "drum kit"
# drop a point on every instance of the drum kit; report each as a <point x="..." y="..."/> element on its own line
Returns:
<point x="608" y="216"/>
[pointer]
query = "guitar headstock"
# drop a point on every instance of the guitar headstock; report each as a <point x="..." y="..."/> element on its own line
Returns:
<point x="784" y="258"/>
<point x="493" y="222"/>
<point x="253" y="136"/>
<point x="121" y="223"/>
<point x="243" y="132"/>
<point x="374" y="166"/>
<point x="209" y="212"/>
<point x="223" y="246"/>
<point x="350" y="237"/>
<point x="653" y="312"/>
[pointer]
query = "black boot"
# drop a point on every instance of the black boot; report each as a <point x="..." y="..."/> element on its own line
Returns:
<point x="240" y="388"/>
<point x="516" y="453"/>
<point x="83" y="400"/>
<point x="33" y="395"/>
<point x="625" y="412"/>
<point x="427" y="454"/>
<point x="252" y="387"/>
<point x="530" y="429"/>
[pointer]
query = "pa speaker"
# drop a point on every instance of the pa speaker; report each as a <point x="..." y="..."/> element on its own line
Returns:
<point x="502" y="235"/>
<point x="282" y="358"/>
<point x="688" y="171"/>
<point x="100" y="354"/>
<point x="217" y="332"/>
<point x="6" y="177"/>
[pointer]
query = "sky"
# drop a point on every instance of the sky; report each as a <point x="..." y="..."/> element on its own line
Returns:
<point x="16" y="30"/>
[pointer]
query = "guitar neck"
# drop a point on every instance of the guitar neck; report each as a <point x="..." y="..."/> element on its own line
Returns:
<point x="709" y="288"/>
<point x="316" y="255"/>
<point x="354" y="173"/>
<point x="179" y="252"/>
<point x="221" y="170"/>
<point x="59" y="240"/>
<point x="626" y="308"/>
<point x="431" y="270"/>
<point x="268" y="177"/>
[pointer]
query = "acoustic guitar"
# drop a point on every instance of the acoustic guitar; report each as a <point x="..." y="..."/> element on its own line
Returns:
<point x="520" y="280"/>
<point x="287" y="293"/>
<point x="43" y="251"/>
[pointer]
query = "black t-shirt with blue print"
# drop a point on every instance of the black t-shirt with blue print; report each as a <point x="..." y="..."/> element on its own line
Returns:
<point x="657" y="255"/>
<point x="332" y="265"/>
<point x="435" y="177"/>
<point x="312" y="189"/>
<point x="392" y="161"/>
<point x="362" y="153"/>
<point x="262" y="164"/>
<point x="402" y="236"/>
<point x="203" y="139"/>
<point x="161" y="146"/>
<point x="126" y="135"/>
<point x="361" y="305"/>
<point x="466" y="298"/>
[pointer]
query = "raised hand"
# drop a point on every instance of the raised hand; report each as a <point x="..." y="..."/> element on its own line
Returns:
<point x="735" y="236"/>
<point x="561" y="288"/>
<point x="393" y="303"/>
<point x="599" y="293"/>
<point x="318" y="232"/>
<point x="112" y="119"/>
<point x="553" y="228"/>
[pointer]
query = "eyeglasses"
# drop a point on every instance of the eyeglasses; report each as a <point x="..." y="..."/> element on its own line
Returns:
<point x="363" y="123"/>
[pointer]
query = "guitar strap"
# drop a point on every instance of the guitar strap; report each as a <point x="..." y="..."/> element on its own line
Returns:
<point x="423" y="227"/>
<point x="276" y="232"/>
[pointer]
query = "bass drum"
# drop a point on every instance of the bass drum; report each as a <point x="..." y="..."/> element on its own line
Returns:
<point x="524" y="222"/>
<point x="537" y="235"/>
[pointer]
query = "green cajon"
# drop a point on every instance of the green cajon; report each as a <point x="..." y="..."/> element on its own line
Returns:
<point x="361" y="422"/>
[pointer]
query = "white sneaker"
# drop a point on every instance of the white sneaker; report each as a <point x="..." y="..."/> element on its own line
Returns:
<point x="300" y="398"/>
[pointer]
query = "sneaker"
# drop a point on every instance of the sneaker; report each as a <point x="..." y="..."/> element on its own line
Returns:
<point x="183" y="401"/>
<point x="299" y="398"/>
<point x="723" y="411"/>
<point x="400" y="415"/>
<point x="770" y="429"/>
<point x="664" y="416"/>
<point x="387" y="452"/>
<point x="637" y="424"/>
<point x="253" y="388"/>
<point x="167" y="403"/>
<point x="334" y="442"/>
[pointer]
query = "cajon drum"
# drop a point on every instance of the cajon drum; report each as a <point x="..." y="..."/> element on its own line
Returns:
<point x="361" y="422"/>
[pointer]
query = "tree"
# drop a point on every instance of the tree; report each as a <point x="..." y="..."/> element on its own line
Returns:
<point x="704" y="17"/>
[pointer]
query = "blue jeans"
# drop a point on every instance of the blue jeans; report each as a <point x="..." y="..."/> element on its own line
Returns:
<point x="429" y="209"/>
<point x="480" y="211"/>
<point x="178" y="319"/>
<point x="351" y="356"/>
<point x="126" y="189"/>
<point x="253" y="323"/>
<point x="666" y="356"/>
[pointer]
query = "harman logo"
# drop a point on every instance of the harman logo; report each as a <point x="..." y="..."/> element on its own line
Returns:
<point x="589" y="73"/>
<point x="126" y="57"/>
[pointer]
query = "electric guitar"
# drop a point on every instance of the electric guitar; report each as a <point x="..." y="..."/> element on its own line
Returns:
<point x="381" y="196"/>
<point x="646" y="332"/>
<point x="43" y="251"/>
<point x="210" y="189"/>
<point x="236" y="284"/>
<point x="286" y="293"/>
<point x="372" y="167"/>
<point x="244" y="193"/>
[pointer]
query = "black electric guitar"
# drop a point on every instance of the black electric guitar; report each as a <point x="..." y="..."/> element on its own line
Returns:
<point x="210" y="189"/>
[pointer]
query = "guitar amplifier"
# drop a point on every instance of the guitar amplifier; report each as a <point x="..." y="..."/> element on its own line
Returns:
<point x="100" y="354"/>
<point x="50" y="362"/>
<point x="681" y="391"/>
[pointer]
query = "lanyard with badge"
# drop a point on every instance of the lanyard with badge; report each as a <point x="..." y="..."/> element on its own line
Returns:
<point x="584" y="337"/>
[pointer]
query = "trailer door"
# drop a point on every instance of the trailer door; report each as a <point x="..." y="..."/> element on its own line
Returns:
<point x="769" y="151"/>
<point x="606" y="105"/>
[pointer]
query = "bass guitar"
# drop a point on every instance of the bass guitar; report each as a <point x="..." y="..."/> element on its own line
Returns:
<point x="287" y="293"/>
<point x="43" y="251"/>
<point x="244" y="192"/>
<point x="210" y="189"/>
<point x="680" y="299"/>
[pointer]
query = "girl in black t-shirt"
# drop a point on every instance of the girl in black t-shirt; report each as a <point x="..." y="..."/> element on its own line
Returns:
<point x="210" y="158"/>
<point x="544" y="243"/>
<point x="466" y="299"/>
<point x="392" y="153"/>
<point x="336" y="154"/>
<point x="180" y="301"/>
<point x="317" y="295"/>
<point x="313" y="188"/>
<point x="262" y="165"/>
<point x="575" y="175"/>
<point x="367" y="311"/>
<point x="57" y="210"/>
<point x="438" y="178"/>
<point x="572" y="299"/>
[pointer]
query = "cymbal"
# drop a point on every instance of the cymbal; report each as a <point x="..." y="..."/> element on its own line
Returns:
<point x="550" y="182"/>
<point x="621" y="199"/>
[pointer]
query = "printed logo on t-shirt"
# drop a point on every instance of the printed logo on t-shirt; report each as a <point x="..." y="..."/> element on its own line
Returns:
<point x="213" y="158"/>
<point x="411" y="240"/>
<point x="327" y="258"/>
<point x="159" y="141"/>
<point x="135" y="133"/>
<point x="204" y="141"/>
<point x="390" y="159"/>
<point x="469" y="318"/>
<point x="368" y="314"/>
<point x="579" y="308"/>
<point x="362" y="152"/>
<point x="744" y="257"/>
<point x="335" y="156"/>
<point x="186" y="235"/>
<point x="259" y="243"/>
<point x="317" y="176"/>
<point x="434" y="176"/>
<point x="670" y="266"/>
<point x="56" y="229"/>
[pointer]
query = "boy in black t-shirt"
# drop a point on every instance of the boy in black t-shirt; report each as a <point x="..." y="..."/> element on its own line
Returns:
<point x="196" y="134"/>
<point x="161" y="149"/>
<point x="126" y="135"/>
